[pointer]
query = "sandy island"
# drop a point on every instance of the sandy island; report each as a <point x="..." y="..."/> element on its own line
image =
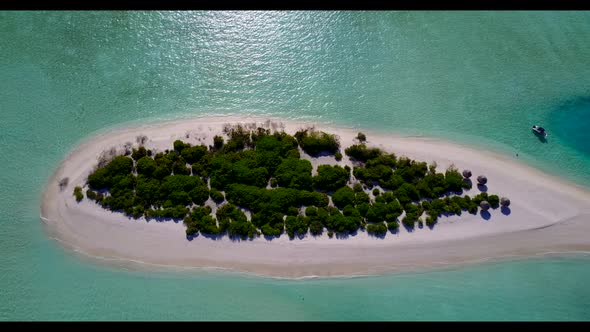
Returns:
<point x="547" y="214"/>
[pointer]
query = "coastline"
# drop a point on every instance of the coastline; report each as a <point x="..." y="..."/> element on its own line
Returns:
<point x="547" y="214"/>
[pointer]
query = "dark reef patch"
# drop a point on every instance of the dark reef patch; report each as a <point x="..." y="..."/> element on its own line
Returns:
<point x="570" y="121"/>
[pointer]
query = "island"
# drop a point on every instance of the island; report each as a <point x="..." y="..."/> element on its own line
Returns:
<point x="293" y="199"/>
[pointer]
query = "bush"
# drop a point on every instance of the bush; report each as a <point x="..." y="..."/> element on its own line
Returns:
<point x="217" y="142"/>
<point x="138" y="153"/>
<point x="377" y="229"/>
<point x="454" y="179"/>
<point x="330" y="234"/>
<point x="338" y="156"/>
<point x="102" y="177"/>
<point x="208" y="225"/>
<point x="494" y="201"/>
<point x="377" y="213"/>
<point x="409" y="220"/>
<point x="407" y="193"/>
<point x="296" y="225"/>
<point x="430" y="221"/>
<point x="376" y="192"/>
<point x="330" y="178"/>
<point x="362" y="138"/>
<point x="294" y="173"/>
<point x="316" y="142"/>
<point x="343" y="197"/>
<point x="363" y="209"/>
<point x="146" y="166"/>
<point x="292" y="211"/>
<point x="357" y="187"/>
<point x="199" y="194"/>
<point x="293" y="153"/>
<point x="360" y="152"/>
<point x="315" y="227"/>
<point x="216" y="196"/>
<point x="180" y="145"/>
<point x="239" y="138"/>
<point x="90" y="194"/>
<point x="350" y="211"/>
<point x="361" y="197"/>
<point x="393" y="226"/>
<point x="271" y="231"/>
<point x="78" y="193"/>
<point x="179" y="168"/>
<point x="193" y="154"/>
<point x="472" y="208"/>
<point x="311" y="211"/>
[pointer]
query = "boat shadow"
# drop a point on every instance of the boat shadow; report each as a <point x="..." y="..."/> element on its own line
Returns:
<point x="486" y="215"/>
<point x="542" y="139"/>
<point x="506" y="210"/>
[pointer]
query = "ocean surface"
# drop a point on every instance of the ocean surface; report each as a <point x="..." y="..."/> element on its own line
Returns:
<point x="480" y="78"/>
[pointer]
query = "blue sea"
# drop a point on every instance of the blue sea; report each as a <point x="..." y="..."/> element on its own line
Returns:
<point x="479" y="78"/>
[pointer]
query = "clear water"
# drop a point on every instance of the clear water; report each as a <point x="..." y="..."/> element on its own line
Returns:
<point x="481" y="78"/>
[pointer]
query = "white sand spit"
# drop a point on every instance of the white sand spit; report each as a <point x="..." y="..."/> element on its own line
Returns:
<point x="547" y="214"/>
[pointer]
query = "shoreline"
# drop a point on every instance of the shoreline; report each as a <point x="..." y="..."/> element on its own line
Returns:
<point x="555" y="219"/>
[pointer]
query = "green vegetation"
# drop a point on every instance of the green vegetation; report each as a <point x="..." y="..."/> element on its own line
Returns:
<point x="78" y="194"/>
<point x="294" y="173"/>
<point x="362" y="153"/>
<point x="378" y="229"/>
<point x="330" y="178"/>
<point x="362" y="138"/>
<point x="315" y="142"/>
<point x="494" y="201"/>
<point x="343" y="197"/>
<point x="261" y="174"/>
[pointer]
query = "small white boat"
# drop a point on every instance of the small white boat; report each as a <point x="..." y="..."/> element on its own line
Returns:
<point x="539" y="131"/>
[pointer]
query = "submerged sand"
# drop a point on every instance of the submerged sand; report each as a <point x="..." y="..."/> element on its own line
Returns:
<point x="547" y="214"/>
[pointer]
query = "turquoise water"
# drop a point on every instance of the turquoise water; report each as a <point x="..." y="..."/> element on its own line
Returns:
<point x="477" y="77"/>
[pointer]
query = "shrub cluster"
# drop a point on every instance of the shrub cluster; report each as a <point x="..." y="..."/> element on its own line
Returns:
<point x="261" y="173"/>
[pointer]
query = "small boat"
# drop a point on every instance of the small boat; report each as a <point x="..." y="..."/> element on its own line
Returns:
<point x="539" y="131"/>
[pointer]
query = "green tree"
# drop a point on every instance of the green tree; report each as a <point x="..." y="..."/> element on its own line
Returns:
<point x="315" y="142"/>
<point x="217" y="142"/>
<point x="78" y="194"/>
<point x="294" y="173"/>
<point x="362" y="138"/>
<point x="193" y="154"/>
<point x="454" y="179"/>
<point x="146" y="166"/>
<point x="102" y="177"/>
<point x="357" y="187"/>
<point x="343" y="196"/>
<point x="90" y="194"/>
<point x="360" y="152"/>
<point x="199" y="194"/>
<point x="216" y="196"/>
<point x="330" y="178"/>
<point x="315" y="227"/>
<point x="378" y="229"/>
<point x="494" y="201"/>
<point x="180" y="145"/>
<point x="361" y="197"/>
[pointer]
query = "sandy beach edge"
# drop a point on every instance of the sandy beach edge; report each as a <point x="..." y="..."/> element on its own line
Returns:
<point x="549" y="214"/>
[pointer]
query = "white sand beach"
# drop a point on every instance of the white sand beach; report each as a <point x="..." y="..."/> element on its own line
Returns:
<point x="547" y="214"/>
